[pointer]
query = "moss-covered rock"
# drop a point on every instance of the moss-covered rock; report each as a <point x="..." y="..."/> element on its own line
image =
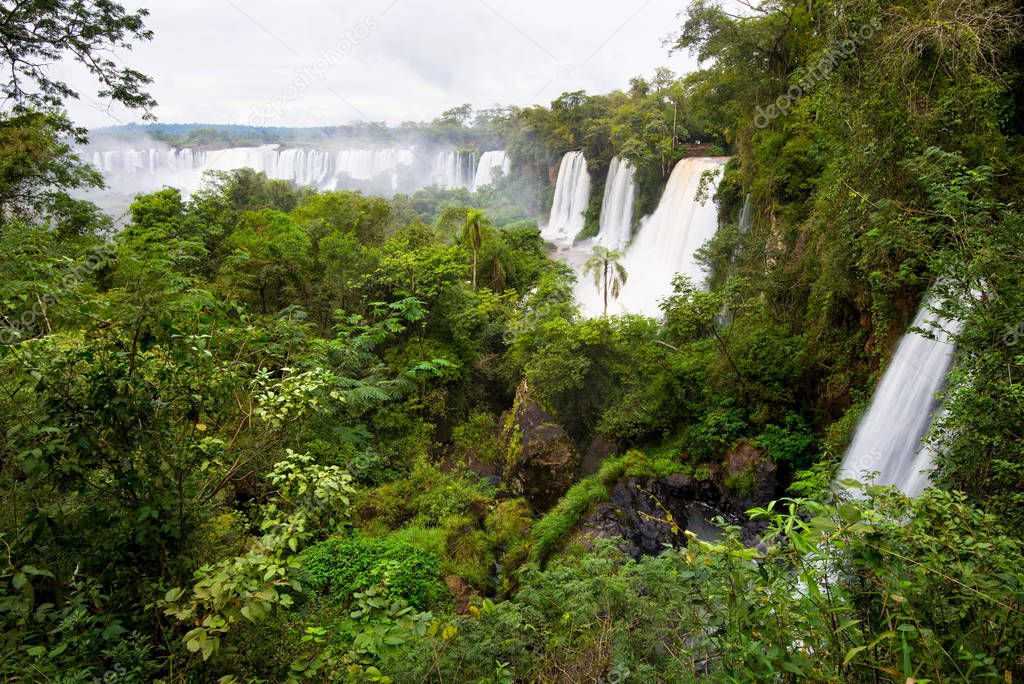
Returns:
<point x="540" y="462"/>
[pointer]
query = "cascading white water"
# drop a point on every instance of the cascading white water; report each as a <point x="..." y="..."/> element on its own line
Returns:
<point x="572" y="194"/>
<point x="142" y="170"/>
<point x="665" y="244"/>
<point x="617" y="207"/>
<point x="888" y="438"/>
<point x="489" y="163"/>
<point x="454" y="169"/>
<point x="746" y="215"/>
<point x="150" y="160"/>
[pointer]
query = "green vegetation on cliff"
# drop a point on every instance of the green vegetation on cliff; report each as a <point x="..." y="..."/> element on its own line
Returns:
<point x="264" y="434"/>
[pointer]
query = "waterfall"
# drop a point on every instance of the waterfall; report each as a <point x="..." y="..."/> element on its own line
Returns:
<point x="130" y="170"/>
<point x="888" y="438"/>
<point x="374" y="169"/>
<point x="454" y="169"/>
<point x="572" y="194"/>
<point x="617" y="207"/>
<point x="746" y="215"/>
<point x="150" y="160"/>
<point x="489" y="162"/>
<point x="664" y="245"/>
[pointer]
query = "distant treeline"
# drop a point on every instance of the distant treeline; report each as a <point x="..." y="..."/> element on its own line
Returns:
<point x="203" y="135"/>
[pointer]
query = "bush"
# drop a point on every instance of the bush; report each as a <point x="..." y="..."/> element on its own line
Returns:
<point x="476" y="440"/>
<point x="789" y="444"/>
<point x="508" y="530"/>
<point x="468" y="552"/>
<point x="341" y="566"/>
<point x="426" y="497"/>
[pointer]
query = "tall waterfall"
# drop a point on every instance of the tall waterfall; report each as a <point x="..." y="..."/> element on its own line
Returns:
<point x="489" y="162"/>
<point x="617" y="207"/>
<point x="664" y="245"/>
<point x="454" y="169"/>
<point x="572" y="194"/>
<point x="888" y="437"/>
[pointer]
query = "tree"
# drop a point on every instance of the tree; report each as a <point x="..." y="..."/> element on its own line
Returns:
<point x="609" y="274"/>
<point x="457" y="116"/>
<point x="473" y="234"/>
<point x="271" y="259"/>
<point x="36" y="34"/>
<point x="38" y="166"/>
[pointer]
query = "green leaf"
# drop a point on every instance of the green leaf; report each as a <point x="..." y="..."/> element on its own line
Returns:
<point x="852" y="653"/>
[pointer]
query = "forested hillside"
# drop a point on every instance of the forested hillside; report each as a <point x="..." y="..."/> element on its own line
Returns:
<point x="265" y="433"/>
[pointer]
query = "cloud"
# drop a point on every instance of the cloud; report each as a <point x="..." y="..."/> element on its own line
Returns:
<point x="216" y="60"/>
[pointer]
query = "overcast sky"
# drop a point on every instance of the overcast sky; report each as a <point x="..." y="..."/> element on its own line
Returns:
<point x="323" y="62"/>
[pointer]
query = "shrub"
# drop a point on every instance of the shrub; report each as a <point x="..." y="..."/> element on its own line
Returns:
<point x="477" y="441"/>
<point x="342" y="566"/>
<point x="468" y="552"/>
<point x="926" y="589"/>
<point x="654" y="464"/>
<point x="789" y="444"/>
<point x="425" y="498"/>
<point x="508" y="530"/>
<point x="429" y="539"/>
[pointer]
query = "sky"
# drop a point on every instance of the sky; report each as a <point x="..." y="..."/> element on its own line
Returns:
<point x="330" y="62"/>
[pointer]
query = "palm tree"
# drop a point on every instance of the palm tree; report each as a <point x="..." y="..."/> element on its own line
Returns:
<point x="473" y="234"/>
<point x="497" y="259"/>
<point x="609" y="274"/>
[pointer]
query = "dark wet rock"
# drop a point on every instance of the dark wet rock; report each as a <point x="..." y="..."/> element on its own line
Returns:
<point x="599" y="450"/>
<point x="540" y="462"/>
<point x="649" y="513"/>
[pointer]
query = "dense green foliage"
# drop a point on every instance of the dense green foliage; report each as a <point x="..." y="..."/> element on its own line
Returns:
<point x="844" y="592"/>
<point x="343" y="566"/>
<point x="261" y="433"/>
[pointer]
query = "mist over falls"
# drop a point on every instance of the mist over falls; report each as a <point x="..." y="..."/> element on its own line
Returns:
<point x="147" y="166"/>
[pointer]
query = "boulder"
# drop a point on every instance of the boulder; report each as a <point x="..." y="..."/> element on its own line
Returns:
<point x="748" y="478"/>
<point x="649" y="513"/>
<point x="540" y="462"/>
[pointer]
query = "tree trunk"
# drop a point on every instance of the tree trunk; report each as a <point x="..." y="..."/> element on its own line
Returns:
<point x="606" y="288"/>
